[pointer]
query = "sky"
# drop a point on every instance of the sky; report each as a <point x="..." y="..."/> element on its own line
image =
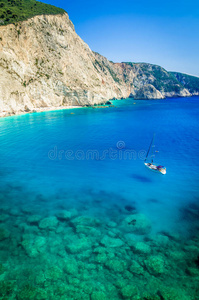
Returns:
<point x="164" y="32"/>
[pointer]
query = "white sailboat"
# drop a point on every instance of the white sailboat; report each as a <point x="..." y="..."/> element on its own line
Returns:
<point x="151" y="165"/>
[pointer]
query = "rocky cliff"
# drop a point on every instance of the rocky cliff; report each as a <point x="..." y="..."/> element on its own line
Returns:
<point x="147" y="81"/>
<point x="44" y="63"/>
<point x="191" y="83"/>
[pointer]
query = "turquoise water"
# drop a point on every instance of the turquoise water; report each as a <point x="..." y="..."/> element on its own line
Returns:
<point x="89" y="163"/>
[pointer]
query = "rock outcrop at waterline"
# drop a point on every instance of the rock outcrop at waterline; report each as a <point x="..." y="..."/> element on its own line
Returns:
<point x="44" y="63"/>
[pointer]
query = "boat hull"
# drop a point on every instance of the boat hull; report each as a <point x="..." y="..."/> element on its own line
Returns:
<point x="155" y="169"/>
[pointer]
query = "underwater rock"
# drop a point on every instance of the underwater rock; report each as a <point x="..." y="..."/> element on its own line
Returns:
<point x="148" y="296"/>
<point x="64" y="215"/>
<point x="61" y="253"/>
<point x="54" y="273"/>
<point x="48" y="223"/>
<point x="62" y="290"/>
<point x="120" y="282"/>
<point x="84" y="255"/>
<point x="129" y="291"/>
<point x="70" y="266"/>
<point x="173" y="236"/>
<point x="74" y="282"/>
<point x="168" y="293"/>
<point x="98" y="296"/>
<point x="111" y="242"/>
<point x="130" y="208"/>
<point x="85" y="221"/>
<point x="85" y="275"/>
<point x="128" y="276"/>
<point x="4" y="207"/>
<point x="29" y="292"/>
<point x="103" y="254"/>
<point x="99" y="249"/>
<point x="141" y="248"/>
<point x="81" y="296"/>
<point x="2" y="269"/>
<point x="112" y="234"/>
<point x="21" y="225"/>
<point x="39" y="243"/>
<point x="197" y="261"/>
<point x="14" y="212"/>
<point x="161" y="240"/>
<point x="137" y="223"/>
<point x="88" y="266"/>
<point x="86" y="225"/>
<point x="178" y="256"/>
<point x="88" y="230"/>
<point x="31" y="229"/>
<point x="34" y="219"/>
<point x="76" y="295"/>
<point x="190" y="212"/>
<point x="6" y="289"/>
<point x="56" y="246"/>
<point x="115" y="231"/>
<point x="4" y="234"/>
<point x="3" y="217"/>
<point x="33" y="245"/>
<point x="130" y="239"/>
<point x="60" y="229"/>
<point x="192" y="250"/>
<point x="78" y="245"/>
<point x="74" y="212"/>
<point x="42" y="294"/>
<point x="67" y="233"/>
<point x="112" y="224"/>
<point x="193" y="271"/>
<point x="116" y="265"/>
<point x="26" y="210"/>
<point x="136" y="268"/>
<point x="40" y="278"/>
<point x="86" y="287"/>
<point x="101" y="258"/>
<point x="155" y="265"/>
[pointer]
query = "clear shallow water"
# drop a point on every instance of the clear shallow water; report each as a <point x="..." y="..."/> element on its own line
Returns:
<point x="34" y="148"/>
<point x="46" y="167"/>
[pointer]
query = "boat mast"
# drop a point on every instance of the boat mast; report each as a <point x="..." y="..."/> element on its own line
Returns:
<point x="152" y="155"/>
<point x="152" y="141"/>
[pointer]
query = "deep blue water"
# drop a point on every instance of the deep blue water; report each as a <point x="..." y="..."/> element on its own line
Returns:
<point x="36" y="174"/>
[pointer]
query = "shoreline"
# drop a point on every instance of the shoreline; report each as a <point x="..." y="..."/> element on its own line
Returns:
<point x="37" y="110"/>
<point x="50" y="108"/>
<point x="54" y="108"/>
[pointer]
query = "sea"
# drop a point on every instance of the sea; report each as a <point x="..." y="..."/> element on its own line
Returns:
<point x="68" y="173"/>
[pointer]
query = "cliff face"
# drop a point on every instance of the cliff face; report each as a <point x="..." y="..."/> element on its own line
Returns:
<point x="147" y="81"/>
<point x="44" y="63"/>
<point x="191" y="83"/>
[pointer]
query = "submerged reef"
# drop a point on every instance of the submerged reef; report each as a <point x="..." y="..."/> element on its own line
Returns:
<point x="73" y="251"/>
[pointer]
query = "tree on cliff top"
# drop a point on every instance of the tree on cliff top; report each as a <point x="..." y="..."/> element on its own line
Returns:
<point x="13" y="11"/>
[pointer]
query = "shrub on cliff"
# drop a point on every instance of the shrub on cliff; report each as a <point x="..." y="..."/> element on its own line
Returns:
<point x="13" y="11"/>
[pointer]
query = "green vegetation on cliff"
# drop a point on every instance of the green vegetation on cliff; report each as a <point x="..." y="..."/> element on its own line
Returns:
<point x="165" y="81"/>
<point x="157" y="76"/>
<point x="189" y="82"/>
<point x="13" y="11"/>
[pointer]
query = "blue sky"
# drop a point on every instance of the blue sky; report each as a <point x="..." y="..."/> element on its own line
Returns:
<point x="159" y="32"/>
